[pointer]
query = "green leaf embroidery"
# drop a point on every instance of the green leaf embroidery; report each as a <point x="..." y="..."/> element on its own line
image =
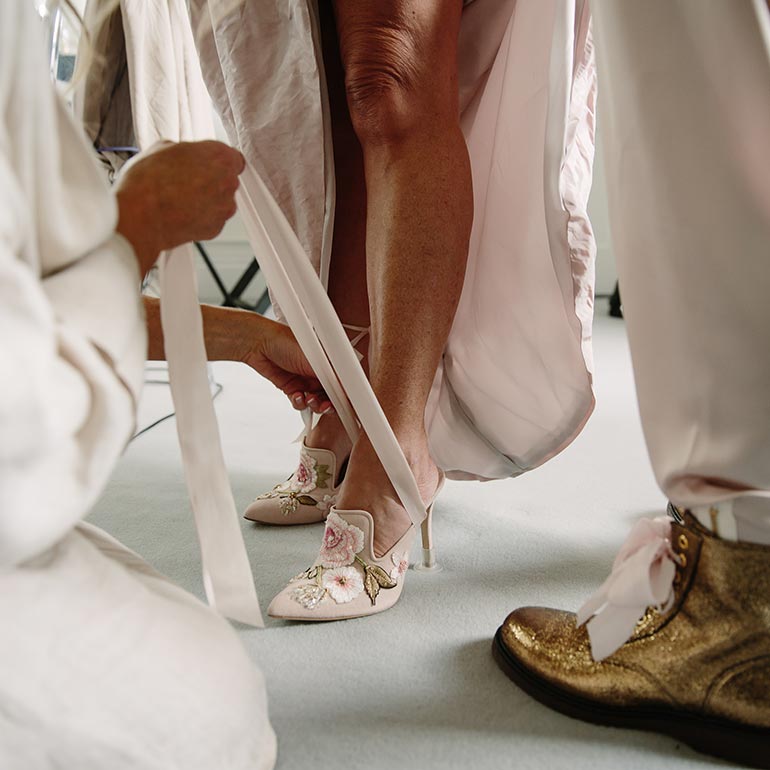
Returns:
<point x="375" y="578"/>
<point x="382" y="577"/>
<point x="371" y="585"/>
<point x="307" y="500"/>
<point x="311" y="573"/>
<point x="322" y="476"/>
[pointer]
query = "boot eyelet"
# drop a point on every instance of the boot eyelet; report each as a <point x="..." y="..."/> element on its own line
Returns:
<point x="682" y="560"/>
<point x="684" y="543"/>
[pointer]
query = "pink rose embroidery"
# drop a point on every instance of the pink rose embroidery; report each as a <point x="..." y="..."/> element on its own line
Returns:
<point x="341" y="543"/>
<point x="305" y="478"/>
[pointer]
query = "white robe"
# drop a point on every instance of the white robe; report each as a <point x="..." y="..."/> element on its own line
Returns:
<point x="103" y="662"/>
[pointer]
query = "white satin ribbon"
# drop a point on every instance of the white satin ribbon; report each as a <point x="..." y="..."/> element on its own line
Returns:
<point x="177" y="106"/>
<point x="642" y="576"/>
<point x="308" y="421"/>
<point x="227" y="574"/>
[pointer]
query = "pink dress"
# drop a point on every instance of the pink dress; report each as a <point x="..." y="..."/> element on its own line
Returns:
<point x="515" y="384"/>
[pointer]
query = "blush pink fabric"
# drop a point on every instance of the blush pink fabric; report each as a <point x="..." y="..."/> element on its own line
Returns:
<point x="642" y="576"/>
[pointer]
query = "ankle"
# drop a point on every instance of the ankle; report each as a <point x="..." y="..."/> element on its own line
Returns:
<point x="330" y="434"/>
<point x="414" y="446"/>
<point x="369" y="474"/>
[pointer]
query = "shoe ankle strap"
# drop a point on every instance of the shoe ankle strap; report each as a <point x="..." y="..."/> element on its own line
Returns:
<point x="359" y="333"/>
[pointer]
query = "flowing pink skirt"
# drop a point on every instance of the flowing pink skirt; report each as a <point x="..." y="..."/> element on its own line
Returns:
<point x="515" y="384"/>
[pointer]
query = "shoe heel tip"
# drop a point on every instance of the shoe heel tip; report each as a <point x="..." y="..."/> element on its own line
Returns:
<point x="428" y="563"/>
<point x="432" y="568"/>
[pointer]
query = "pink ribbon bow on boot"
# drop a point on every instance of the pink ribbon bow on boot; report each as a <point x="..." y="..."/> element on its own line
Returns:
<point x="642" y="576"/>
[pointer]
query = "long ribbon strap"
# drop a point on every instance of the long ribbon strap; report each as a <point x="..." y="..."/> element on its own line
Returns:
<point x="642" y="576"/>
<point x="227" y="576"/>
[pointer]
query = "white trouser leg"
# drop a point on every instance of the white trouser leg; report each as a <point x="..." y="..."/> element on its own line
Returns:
<point x="684" y="96"/>
<point x="106" y="664"/>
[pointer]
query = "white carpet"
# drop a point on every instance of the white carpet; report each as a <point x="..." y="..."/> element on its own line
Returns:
<point x="416" y="687"/>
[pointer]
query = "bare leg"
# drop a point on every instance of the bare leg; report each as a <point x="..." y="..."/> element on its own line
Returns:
<point x="347" y="274"/>
<point x="400" y="62"/>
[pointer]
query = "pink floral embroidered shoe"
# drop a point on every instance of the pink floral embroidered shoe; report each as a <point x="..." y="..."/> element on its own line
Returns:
<point x="347" y="579"/>
<point x="308" y="494"/>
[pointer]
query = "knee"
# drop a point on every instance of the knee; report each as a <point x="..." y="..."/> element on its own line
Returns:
<point x="386" y="89"/>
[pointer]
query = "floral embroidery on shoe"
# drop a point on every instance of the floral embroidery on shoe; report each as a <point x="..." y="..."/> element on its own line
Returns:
<point x="341" y="543"/>
<point x="343" y="583"/>
<point x="326" y="503"/>
<point x="375" y="578"/>
<point x="305" y="478"/>
<point x="288" y="504"/>
<point x="401" y="565"/>
<point x="309" y="596"/>
<point x="309" y="574"/>
<point x="309" y="476"/>
<point x="342" y="574"/>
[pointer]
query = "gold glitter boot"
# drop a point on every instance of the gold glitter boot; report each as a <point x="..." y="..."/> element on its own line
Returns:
<point x="698" y="670"/>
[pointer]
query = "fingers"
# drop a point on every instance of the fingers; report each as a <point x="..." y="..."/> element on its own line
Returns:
<point x="307" y="393"/>
<point x="240" y="162"/>
<point x="313" y="402"/>
<point x="227" y="158"/>
<point x="316" y="402"/>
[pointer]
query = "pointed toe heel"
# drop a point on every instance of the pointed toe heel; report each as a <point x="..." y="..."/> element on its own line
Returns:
<point x="307" y="496"/>
<point x="347" y="580"/>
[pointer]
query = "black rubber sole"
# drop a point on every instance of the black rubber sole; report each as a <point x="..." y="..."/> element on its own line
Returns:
<point x="719" y="738"/>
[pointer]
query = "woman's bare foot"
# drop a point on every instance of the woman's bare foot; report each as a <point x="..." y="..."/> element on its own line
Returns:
<point x="368" y="488"/>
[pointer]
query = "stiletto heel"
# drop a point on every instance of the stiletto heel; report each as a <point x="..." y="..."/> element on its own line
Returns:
<point x="428" y="563"/>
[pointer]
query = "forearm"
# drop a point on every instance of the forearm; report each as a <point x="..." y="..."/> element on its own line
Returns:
<point x="229" y="334"/>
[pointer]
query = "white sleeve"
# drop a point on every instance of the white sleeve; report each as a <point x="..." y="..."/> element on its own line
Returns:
<point x="72" y="337"/>
<point x="72" y="348"/>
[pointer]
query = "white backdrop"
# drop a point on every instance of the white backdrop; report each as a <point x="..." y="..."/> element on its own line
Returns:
<point x="597" y="210"/>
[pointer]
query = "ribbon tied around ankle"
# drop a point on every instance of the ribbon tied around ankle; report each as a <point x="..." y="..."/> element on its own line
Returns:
<point x="642" y="576"/>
